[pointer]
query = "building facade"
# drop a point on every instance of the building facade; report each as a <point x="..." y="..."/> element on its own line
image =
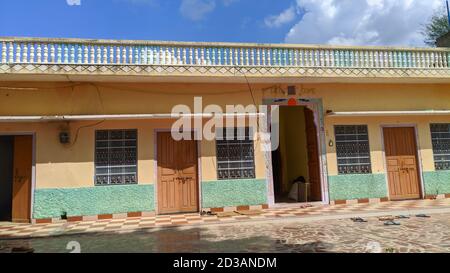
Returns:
<point x="86" y="126"/>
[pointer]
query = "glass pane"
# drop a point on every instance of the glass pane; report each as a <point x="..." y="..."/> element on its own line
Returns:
<point x="440" y="137"/>
<point x="116" y="157"/>
<point x="235" y="154"/>
<point x="352" y="149"/>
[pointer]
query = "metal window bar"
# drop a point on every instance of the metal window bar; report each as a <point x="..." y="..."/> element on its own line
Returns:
<point x="235" y="154"/>
<point x="440" y="138"/>
<point x="115" y="157"/>
<point x="352" y="149"/>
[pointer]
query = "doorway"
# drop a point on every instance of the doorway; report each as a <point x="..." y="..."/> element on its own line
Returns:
<point x="16" y="160"/>
<point x="296" y="163"/>
<point x="177" y="175"/>
<point x="402" y="163"/>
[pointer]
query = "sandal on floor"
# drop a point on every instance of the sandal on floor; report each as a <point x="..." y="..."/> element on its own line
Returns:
<point x="358" y="220"/>
<point x="391" y="223"/>
<point x="423" y="216"/>
<point x="402" y="217"/>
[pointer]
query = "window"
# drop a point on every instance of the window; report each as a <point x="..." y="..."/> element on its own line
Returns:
<point x="440" y="137"/>
<point x="235" y="153"/>
<point x="352" y="149"/>
<point x="115" y="157"/>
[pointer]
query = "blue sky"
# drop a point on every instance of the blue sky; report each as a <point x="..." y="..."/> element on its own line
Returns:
<point x="353" y="22"/>
<point x="142" y="19"/>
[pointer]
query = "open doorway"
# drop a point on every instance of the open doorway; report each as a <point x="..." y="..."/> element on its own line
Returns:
<point x="16" y="159"/>
<point x="295" y="164"/>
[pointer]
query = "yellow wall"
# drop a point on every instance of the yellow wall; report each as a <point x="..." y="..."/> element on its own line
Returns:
<point x="376" y="142"/>
<point x="59" y="166"/>
<point x="72" y="165"/>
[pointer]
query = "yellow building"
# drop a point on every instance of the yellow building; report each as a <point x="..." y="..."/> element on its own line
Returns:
<point x="86" y="126"/>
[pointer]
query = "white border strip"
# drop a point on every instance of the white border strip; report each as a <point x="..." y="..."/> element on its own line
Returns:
<point x="123" y="117"/>
<point x="388" y="113"/>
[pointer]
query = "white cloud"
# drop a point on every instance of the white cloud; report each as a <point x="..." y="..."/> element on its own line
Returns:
<point x="196" y="10"/>
<point x="362" y="22"/>
<point x="285" y="17"/>
<point x="73" y="2"/>
<point x="227" y="3"/>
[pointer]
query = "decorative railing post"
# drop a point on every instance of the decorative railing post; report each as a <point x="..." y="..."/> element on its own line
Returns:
<point x="32" y="45"/>
<point x="128" y="53"/>
<point x="11" y="53"/>
<point x="18" y="49"/>
<point x="4" y="52"/>
<point x="25" y="53"/>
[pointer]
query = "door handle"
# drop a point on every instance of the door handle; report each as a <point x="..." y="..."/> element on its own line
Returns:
<point x="181" y="179"/>
<point x="18" y="178"/>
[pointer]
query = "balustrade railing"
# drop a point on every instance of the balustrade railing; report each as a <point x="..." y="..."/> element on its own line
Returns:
<point x="105" y="52"/>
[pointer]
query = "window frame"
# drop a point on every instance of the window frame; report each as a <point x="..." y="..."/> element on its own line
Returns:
<point x="356" y="157"/>
<point x="437" y="162"/>
<point x="95" y="157"/>
<point x="250" y="138"/>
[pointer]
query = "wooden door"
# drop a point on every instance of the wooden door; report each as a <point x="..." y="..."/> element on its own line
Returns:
<point x="23" y="160"/>
<point x="313" y="156"/>
<point x="177" y="175"/>
<point x="402" y="164"/>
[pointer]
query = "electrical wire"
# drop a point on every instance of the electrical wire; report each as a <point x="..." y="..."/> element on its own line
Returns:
<point x="83" y="127"/>
<point x="128" y="89"/>
<point x="35" y="88"/>
<point x="99" y="97"/>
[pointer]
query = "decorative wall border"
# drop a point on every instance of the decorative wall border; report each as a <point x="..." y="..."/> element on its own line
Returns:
<point x="94" y="217"/>
<point x="359" y="201"/>
<point x="437" y="196"/>
<point x="214" y="70"/>
<point x="138" y="214"/>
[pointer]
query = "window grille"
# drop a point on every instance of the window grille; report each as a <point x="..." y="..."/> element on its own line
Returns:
<point x="115" y="157"/>
<point x="440" y="138"/>
<point x="235" y="153"/>
<point x="352" y="149"/>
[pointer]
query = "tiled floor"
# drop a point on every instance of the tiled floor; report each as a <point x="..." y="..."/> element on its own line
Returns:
<point x="8" y="230"/>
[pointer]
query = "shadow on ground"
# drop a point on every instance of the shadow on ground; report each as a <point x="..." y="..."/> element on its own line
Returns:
<point x="193" y="240"/>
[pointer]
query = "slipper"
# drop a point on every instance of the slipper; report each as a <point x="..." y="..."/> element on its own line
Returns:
<point x="386" y="218"/>
<point x="391" y="223"/>
<point x="358" y="220"/>
<point x="423" y="216"/>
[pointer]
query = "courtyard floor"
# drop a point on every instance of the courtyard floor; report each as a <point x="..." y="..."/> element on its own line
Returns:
<point x="343" y="235"/>
<point x="299" y="212"/>
<point x="310" y="229"/>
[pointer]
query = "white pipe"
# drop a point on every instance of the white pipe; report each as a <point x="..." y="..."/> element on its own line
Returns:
<point x="389" y="113"/>
<point x="122" y="117"/>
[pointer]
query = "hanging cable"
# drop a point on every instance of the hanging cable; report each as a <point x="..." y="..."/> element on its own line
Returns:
<point x="83" y="127"/>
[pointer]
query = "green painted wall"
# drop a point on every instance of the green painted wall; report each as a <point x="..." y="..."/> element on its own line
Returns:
<point x="437" y="182"/>
<point x="227" y="193"/>
<point x="51" y="203"/>
<point x="357" y="186"/>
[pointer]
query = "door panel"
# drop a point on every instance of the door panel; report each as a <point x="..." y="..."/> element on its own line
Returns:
<point x="402" y="163"/>
<point x="23" y="160"/>
<point x="177" y="175"/>
<point x="313" y="156"/>
<point x="167" y="174"/>
<point x="187" y="167"/>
